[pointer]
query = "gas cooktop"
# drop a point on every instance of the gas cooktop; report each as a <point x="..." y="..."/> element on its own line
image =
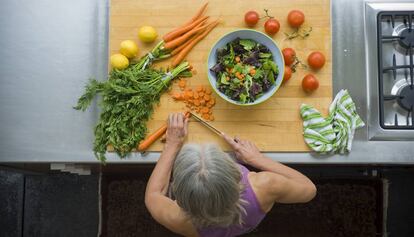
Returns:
<point x="389" y="34"/>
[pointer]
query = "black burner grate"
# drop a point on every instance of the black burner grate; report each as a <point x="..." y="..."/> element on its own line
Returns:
<point x="405" y="39"/>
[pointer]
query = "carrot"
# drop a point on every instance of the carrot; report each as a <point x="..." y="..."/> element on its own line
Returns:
<point x="237" y="58"/>
<point x="201" y="94"/>
<point x="179" y="48"/>
<point x="200" y="88"/>
<point x="184" y="29"/>
<point x="196" y="102"/>
<point x="200" y="11"/>
<point x="208" y="91"/>
<point x="211" y="118"/>
<point x="154" y="136"/>
<point x="202" y="102"/>
<point x="206" y="97"/>
<point x="182" y="39"/>
<point x="196" y="96"/>
<point x="187" y="49"/>
<point x="194" y="18"/>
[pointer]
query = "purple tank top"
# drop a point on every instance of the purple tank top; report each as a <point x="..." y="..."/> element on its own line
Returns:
<point x="254" y="214"/>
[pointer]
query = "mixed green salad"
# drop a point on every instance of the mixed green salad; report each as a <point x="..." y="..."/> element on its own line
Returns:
<point x="245" y="70"/>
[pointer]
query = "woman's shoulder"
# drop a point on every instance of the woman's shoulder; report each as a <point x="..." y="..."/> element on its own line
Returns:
<point x="263" y="185"/>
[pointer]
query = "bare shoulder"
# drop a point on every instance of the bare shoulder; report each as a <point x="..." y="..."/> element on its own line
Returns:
<point x="180" y="222"/>
<point x="170" y="215"/>
<point x="266" y="187"/>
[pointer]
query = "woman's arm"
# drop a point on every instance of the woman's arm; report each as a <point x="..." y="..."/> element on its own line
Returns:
<point x="280" y="183"/>
<point x="163" y="209"/>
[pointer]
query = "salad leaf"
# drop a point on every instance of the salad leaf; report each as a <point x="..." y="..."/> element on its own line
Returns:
<point x="265" y="55"/>
<point x="221" y="52"/>
<point x="223" y="79"/>
<point x="271" y="77"/>
<point x="255" y="89"/>
<point x="252" y="58"/>
<point x="266" y="84"/>
<point x="243" y="98"/>
<point x="238" y="68"/>
<point x="273" y="66"/>
<point x="217" y="68"/>
<point x="258" y="74"/>
<point x="247" y="44"/>
<point x="246" y="70"/>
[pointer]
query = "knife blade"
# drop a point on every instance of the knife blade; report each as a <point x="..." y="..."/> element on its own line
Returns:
<point x="205" y="123"/>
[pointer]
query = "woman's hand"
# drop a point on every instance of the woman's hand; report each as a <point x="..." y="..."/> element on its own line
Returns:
<point x="245" y="150"/>
<point x="176" y="130"/>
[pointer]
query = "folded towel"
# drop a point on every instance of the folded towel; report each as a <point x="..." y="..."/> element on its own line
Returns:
<point x="334" y="133"/>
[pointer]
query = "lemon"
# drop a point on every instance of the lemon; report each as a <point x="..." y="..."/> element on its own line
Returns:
<point x="119" y="61"/>
<point x="129" y="48"/>
<point x="147" y="34"/>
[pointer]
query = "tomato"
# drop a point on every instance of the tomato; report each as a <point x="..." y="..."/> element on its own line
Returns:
<point x="295" y="18"/>
<point x="289" y="56"/>
<point x="251" y="18"/>
<point x="272" y="26"/>
<point x="310" y="83"/>
<point x="288" y="74"/>
<point x="316" y="60"/>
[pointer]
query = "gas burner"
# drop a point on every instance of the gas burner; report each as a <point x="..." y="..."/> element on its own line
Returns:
<point x="404" y="37"/>
<point x="407" y="38"/>
<point x="406" y="98"/>
<point x="396" y="69"/>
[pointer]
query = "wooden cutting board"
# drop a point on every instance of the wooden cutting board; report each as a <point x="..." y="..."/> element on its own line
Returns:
<point x="275" y="125"/>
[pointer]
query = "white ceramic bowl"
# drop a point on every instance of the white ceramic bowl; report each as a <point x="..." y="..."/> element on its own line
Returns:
<point x="258" y="37"/>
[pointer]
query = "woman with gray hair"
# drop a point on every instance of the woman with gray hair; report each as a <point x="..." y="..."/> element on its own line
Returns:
<point x="214" y="194"/>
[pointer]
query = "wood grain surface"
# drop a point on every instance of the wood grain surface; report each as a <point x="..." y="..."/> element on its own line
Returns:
<point x="275" y="125"/>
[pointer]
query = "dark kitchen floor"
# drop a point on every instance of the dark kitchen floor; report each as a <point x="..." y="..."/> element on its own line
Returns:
<point x="67" y="205"/>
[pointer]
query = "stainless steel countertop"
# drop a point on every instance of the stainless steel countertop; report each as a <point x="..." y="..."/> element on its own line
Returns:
<point x="48" y="49"/>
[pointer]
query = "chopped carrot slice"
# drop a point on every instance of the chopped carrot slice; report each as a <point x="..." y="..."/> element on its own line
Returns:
<point x="207" y="97"/>
<point x="201" y="94"/>
<point x="196" y="102"/>
<point x="182" y="83"/>
<point x="177" y="96"/>
<point x="189" y="94"/>
<point x="205" y="116"/>
<point x="196" y="96"/>
<point x="199" y="88"/>
<point x="202" y="102"/>
<point x="204" y="110"/>
<point x="208" y="91"/>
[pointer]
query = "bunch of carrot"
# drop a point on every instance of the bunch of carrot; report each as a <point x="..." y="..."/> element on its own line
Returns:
<point x="181" y="40"/>
<point x="199" y="99"/>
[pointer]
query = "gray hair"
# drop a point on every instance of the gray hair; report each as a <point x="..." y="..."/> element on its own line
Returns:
<point x="207" y="186"/>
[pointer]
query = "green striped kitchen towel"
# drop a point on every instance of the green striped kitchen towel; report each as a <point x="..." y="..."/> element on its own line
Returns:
<point x="334" y="133"/>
